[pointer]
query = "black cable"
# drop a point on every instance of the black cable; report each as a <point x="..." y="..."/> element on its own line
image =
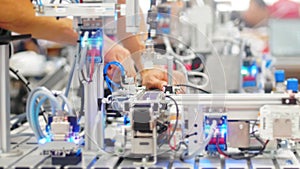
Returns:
<point x="254" y="131"/>
<point x="241" y="155"/>
<point x="177" y="117"/>
<point x="253" y="126"/>
<point x="194" y="87"/>
<point x="21" y="78"/>
<point x="181" y="143"/>
<point x="189" y="135"/>
<point x="26" y="84"/>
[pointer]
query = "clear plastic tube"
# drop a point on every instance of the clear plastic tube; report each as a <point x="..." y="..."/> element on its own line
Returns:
<point x="32" y="112"/>
<point x="65" y="100"/>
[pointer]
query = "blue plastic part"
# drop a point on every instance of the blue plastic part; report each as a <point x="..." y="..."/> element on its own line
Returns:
<point x="249" y="83"/>
<point x="120" y="66"/>
<point x="213" y="148"/>
<point x="279" y="76"/>
<point x="164" y="20"/>
<point x="269" y="63"/>
<point x="126" y="120"/>
<point x="108" y="81"/>
<point x="97" y="59"/>
<point x="292" y="85"/>
<point x="44" y="140"/>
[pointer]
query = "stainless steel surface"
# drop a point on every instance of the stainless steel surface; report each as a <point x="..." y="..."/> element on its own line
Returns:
<point x="4" y="100"/>
<point x="238" y="135"/>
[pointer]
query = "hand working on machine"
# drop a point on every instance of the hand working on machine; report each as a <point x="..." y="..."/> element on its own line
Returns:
<point x="134" y="127"/>
<point x="20" y="17"/>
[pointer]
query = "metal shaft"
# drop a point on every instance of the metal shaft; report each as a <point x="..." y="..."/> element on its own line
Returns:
<point x="91" y="110"/>
<point x="101" y="112"/>
<point x="170" y="60"/>
<point x="94" y="118"/>
<point x="4" y="100"/>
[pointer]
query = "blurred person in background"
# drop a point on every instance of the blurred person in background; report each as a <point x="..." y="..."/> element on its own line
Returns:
<point x="259" y="12"/>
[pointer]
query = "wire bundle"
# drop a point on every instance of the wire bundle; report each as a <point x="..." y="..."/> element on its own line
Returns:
<point x="241" y="155"/>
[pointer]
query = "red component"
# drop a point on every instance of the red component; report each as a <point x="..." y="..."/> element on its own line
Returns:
<point x="94" y="52"/>
<point x="188" y="66"/>
<point x="249" y="78"/>
<point x="266" y="50"/>
<point x="214" y="141"/>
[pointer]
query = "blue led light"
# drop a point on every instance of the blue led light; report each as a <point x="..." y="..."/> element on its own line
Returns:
<point x="244" y="71"/>
<point x="44" y="140"/>
<point x="223" y="132"/>
<point x="249" y="70"/>
<point x="253" y="69"/>
<point x="73" y="140"/>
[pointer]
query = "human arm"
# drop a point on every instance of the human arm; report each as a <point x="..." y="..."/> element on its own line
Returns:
<point x="257" y="13"/>
<point x="19" y="16"/>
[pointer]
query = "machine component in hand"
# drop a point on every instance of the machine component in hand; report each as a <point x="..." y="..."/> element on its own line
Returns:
<point x="219" y="138"/>
<point x="279" y="122"/>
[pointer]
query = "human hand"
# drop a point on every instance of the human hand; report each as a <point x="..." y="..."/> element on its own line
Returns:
<point x="158" y="78"/>
<point x="122" y="55"/>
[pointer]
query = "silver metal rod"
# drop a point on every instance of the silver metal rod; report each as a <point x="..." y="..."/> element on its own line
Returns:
<point x="132" y="16"/>
<point x="233" y="97"/>
<point x="101" y="112"/>
<point x="238" y="106"/>
<point x="4" y="100"/>
<point x="90" y="114"/>
<point x="170" y="60"/>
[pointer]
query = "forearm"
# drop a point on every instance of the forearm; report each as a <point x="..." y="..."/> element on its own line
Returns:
<point x="134" y="43"/>
<point x="19" y="16"/>
<point x="47" y="28"/>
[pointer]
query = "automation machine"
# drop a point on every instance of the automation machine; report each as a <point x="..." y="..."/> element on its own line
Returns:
<point x="137" y="128"/>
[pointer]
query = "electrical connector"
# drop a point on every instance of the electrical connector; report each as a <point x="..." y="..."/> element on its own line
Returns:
<point x="220" y="134"/>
